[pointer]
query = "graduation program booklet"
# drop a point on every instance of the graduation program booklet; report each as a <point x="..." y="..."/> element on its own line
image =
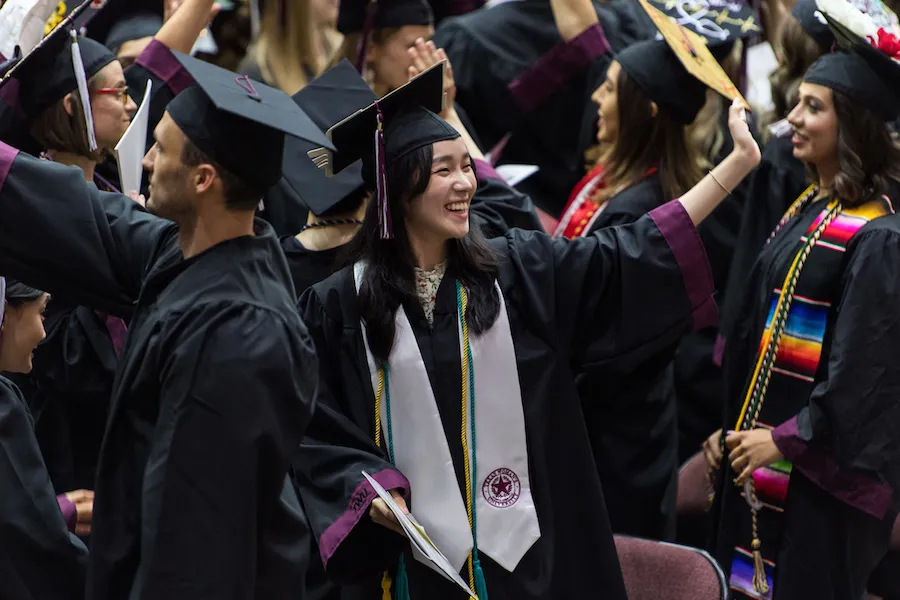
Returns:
<point x="131" y="148"/>
<point x="421" y="543"/>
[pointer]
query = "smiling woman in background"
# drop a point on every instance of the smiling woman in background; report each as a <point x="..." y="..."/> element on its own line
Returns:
<point x="810" y="362"/>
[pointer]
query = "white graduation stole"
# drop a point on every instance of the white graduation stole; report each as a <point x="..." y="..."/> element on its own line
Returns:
<point x="507" y="519"/>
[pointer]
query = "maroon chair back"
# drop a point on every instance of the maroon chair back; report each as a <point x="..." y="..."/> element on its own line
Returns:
<point x="693" y="489"/>
<point x="655" y="570"/>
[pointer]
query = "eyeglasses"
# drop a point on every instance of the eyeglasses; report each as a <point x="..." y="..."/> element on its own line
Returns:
<point x="121" y="92"/>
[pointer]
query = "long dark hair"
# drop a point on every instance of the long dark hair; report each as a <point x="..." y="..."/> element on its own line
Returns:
<point x="389" y="278"/>
<point x="868" y="158"/>
<point x="644" y="141"/>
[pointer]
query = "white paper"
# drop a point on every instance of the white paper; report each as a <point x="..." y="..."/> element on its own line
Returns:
<point x="513" y="175"/>
<point x="131" y="148"/>
<point x="22" y="24"/>
<point x="422" y="546"/>
<point x="761" y="62"/>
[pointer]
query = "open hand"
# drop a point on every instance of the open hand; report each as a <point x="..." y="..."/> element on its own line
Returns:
<point x="744" y="143"/>
<point x="424" y="55"/>
<point x="381" y="514"/>
<point x="751" y="450"/>
<point x="84" y="509"/>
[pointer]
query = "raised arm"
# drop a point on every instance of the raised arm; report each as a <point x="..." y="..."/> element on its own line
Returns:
<point x="60" y="234"/>
<point x="616" y="297"/>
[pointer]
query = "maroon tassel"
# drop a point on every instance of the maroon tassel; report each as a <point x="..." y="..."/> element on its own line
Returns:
<point x="363" y="43"/>
<point x="385" y="226"/>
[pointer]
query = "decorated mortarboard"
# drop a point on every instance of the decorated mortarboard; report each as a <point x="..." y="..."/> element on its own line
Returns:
<point x="364" y="16"/>
<point x="719" y="21"/>
<point x="695" y="57"/>
<point x="386" y="130"/>
<point x="61" y="63"/>
<point x="238" y="122"/>
<point x="335" y="94"/>
<point x="867" y="69"/>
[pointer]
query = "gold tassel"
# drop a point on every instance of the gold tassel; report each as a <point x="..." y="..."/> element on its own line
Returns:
<point x="759" y="569"/>
<point x="386" y="586"/>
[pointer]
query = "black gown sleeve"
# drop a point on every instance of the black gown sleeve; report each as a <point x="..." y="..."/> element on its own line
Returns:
<point x="236" y="395"/>
<point x="39" y="558"/>
<point x="498" y="207"/>
<point x="619" y="296"/>
<point x="845" y="439"/>
<point x="60" y="234"/>
<point x="328" y="468"/>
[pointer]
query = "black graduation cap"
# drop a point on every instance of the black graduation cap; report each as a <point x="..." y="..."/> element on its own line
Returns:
<point x="380" y="14"/>
<point x="50" y="71"/>
<point x="238" y="122"/>
<point x="133" y="27"/>
<point x="656" y="69"/>
<point x="47" y="74"/>
<point x="337" y="93"/>
<point x="401" y="122"/>
<point x="860" y="71"/>
<point x="813" y="23"/>
<point x="719" y="21"/>
<point x="362" y="16"/>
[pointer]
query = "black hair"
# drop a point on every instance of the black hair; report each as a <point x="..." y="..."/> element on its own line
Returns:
<point x="19" y="294"/>
<point x="239" y="195"/>
<point x="389" y="278"/>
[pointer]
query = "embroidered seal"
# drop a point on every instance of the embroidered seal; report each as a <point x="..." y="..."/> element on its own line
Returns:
<point x="501" y="488"/>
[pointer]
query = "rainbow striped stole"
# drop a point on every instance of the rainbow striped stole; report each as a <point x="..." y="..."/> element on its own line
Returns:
<point x="801" y="344"/>
<point x="793" y="371"/>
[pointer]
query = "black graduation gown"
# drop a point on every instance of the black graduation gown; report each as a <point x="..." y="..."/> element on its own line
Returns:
<point x="70" y="385"/>
<point x="39" y="558"/>
<point x="829" y="540"/>
<point x="492" y="48"/>
<point x="211" y="396"/>
<point x="630" y="415"/>
<point x="572" y="305"/>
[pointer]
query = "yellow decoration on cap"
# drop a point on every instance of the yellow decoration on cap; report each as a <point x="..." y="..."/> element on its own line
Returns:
<point x="691" y="50"/>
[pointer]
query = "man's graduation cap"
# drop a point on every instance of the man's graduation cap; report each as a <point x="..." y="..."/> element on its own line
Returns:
<point x="363" y="16"/>
<point x="61" y="63"/>
<point x="867" y="70"/>
<point x="238" y="122"/>
<point x="337" y="93"/>
<point x="692" y="52"/>
<point x="401" y="122"/>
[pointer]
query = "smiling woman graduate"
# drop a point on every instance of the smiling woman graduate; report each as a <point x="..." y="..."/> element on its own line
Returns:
<point x="446" y="366"/>
<point x="810" y="362"/>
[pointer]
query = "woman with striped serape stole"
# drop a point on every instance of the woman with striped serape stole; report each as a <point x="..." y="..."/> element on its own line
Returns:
<point x="807" y="493"/>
